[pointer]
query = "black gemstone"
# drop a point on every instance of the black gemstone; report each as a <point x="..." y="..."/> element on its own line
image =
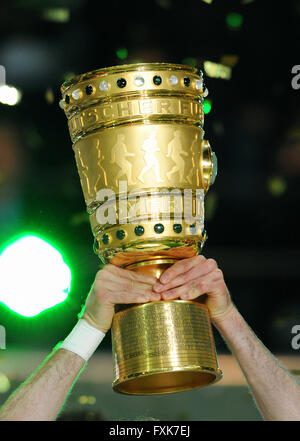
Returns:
<point x="177" y="228"/>
<point x="121" y="82"/>
<point x="120" y="234"/>
<point x="159" y="228"/>
<point x="67" y="99"/>
<point x="157" y="80"/>
<point x="187" y="81"/>
<point x="89" y="90"/>
<point x="139" y="230"/>
<point x="105" y="239"/>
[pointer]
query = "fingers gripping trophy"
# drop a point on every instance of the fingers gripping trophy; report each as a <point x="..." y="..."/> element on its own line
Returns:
<point x="144" y="167"/>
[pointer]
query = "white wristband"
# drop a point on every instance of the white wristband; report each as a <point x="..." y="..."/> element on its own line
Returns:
<point x="83" y="340"/>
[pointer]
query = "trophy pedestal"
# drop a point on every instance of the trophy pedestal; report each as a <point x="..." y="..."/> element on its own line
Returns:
<point x="163" y="347"/>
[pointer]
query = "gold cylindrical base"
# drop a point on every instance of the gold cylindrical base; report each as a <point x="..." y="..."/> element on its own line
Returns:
<point x="163" y="347"/>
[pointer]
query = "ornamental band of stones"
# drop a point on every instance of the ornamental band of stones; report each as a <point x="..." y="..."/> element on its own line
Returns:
<point x="138" y="138"/>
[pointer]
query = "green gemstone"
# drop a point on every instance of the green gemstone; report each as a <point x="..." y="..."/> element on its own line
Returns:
<point x="157" y="80"/>
<point x="159" y="228"/>
<point x="105" y="239"/>
<point x="177" y="228"/>
<point x="139" y="230"/>
<point x="120" y="234"/>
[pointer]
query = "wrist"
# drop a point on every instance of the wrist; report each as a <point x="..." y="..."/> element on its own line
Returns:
<point x="83" y="339"/>
<point x="89" y="318"/>
<point x="226" y="318"/>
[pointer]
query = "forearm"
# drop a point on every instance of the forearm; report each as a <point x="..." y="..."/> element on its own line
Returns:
<point x="53" y="379"/>
<point x="276" y="392"/>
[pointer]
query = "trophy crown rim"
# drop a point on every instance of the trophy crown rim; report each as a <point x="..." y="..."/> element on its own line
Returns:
<point x="128" y="68"/>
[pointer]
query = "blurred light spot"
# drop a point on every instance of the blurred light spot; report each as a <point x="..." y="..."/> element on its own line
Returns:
<point x="207" y="1"/>
<point x="10" y="95"/>
<point x="190" y="61"/>
<point x="246" y="2"/>
<point x="43" y="279"/>
<point x="215" y="70"/>
<point x="49" y="96"/>
<point x="229" y="60"/>
<point x="234" y="20"/>
<point x="206" y="106"/>
<point x="276" y="186"/>
<point x="79" y="219"/>
<point x="218" y="127"/>
<point x="122" y="53"/>
<point x="85" y="399"/>
<point x="4" y="384"/>
<point x="57" y="15"/>
<point x="165" y="4"/>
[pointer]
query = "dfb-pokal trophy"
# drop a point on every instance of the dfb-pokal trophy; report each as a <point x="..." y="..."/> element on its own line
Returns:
<point x="144" y="166"/>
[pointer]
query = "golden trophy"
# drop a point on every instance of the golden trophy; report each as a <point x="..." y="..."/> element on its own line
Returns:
<point x="137" y="133"/>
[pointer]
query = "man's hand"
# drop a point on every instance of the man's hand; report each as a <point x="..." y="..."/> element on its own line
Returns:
<point x="193" y="277"/>
<point x="113" y="286"/>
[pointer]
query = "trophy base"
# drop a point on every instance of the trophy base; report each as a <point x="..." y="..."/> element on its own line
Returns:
<point x="167" y="382"/>
<point x="163" y="347"/>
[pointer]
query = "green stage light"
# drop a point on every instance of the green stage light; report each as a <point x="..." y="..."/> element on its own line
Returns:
<point x="206" y="106"/>
<point x="234" y="20"/>
<point x="122" y="53"/>
<point x="33" y="276"/>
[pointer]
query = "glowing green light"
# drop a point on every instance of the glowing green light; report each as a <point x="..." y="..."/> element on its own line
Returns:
<point x="57" y="15"/>
<point x="276" y="185"/>
<point x="234" y="20"/>
<point x="122" y="53"/>
<point x="206" y="106"/>
<point x="33" y="276"/>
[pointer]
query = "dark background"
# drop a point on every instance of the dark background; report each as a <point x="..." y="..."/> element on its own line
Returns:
<point x="253" y="126"/>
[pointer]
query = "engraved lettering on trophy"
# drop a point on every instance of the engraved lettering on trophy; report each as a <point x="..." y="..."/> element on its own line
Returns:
<point x="124" y="109"/>
<point x="163" y="107"/>
<point x="92" y="116"/>
<point x="145" y="106"/>
<point x="175" y="152"/>
<point x="195" y="161"/>
<point x="77" y="123"/>
<point x="184" y="107"/>
<point x="150" y="148"/>
<point x="119" y="153"/>
<point x="100" y="159"/>
<point x="107" y="111"/>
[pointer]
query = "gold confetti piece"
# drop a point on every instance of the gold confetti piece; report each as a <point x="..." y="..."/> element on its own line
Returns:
<point x="216" y="70"/>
